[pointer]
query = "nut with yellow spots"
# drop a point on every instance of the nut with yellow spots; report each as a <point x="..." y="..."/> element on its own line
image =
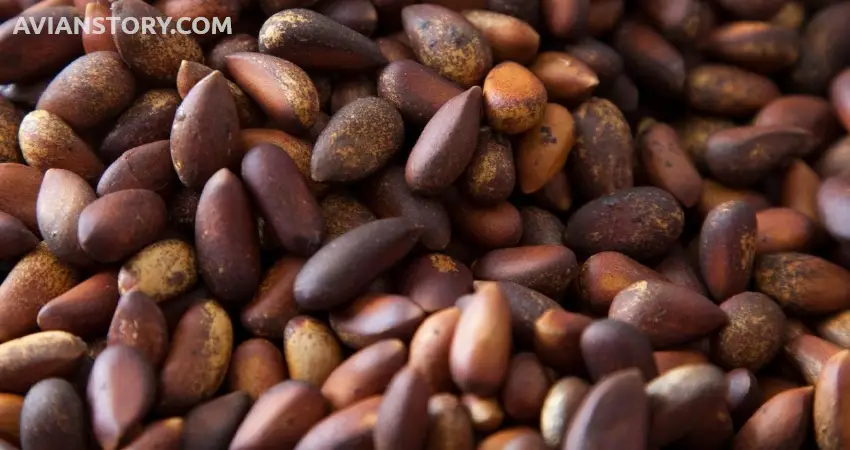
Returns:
<point x="515" y="99"/>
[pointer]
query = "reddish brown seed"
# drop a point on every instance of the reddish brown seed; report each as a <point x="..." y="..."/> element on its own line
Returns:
<point x="615" y="410"/>
<point x="714" y="194"/>
<point x="62" y="198"/>
<point x="743" y="156"/>
<point x="282" y="89"/>
<point x="754" y="334"/>
<point x="831" y="403"/>
<point x="728" y="91"/>
<point x="352" y="427"/>
<point x="165" y="434"/>
<point x="803" y="283"/>
<point x="36" y="279"/>
<point x="350" y="89"/>
<point x="451" y="427"/>
<point x="191" y="73"/>
<point x="394" y="49"/>
<point x="139" y="323"/>
<point x="641" y="222"/>
<point x="374" y="317"/>
<point x="31" y="55"/>
<point x="429" y="348"/>
<point x="743" y="396"/>
<point x="280" y="417"/>
<point x="415" y="90"/>
<point x="667" y="166"/>
<point x="667" y="360"/>
<point x="562" y="401"/>
<point x="435" y="281"/>
<point x="316" y="42"/>
<point x="344" y="268"/>
<point x="216" y="421"/>
<point x="117" y="225"/>
<point x="813" y="114"/>
<point x="47" y="142"/>
<point x="567" y="78"/>
<point x="10" y="418"/>
<point x="601" y="161"/>
<point x="668" y="314"/>
<point x="510" y="38"/>
<point x="679" y="268"/>
<point x="255" y="366"/>
<point x="204" y="137"/>
<point x="548" y="269"/>
<point x="197" y="361"/>
<point x="366" y="373"/>
<point x="446" y="145"/>
<point x="121" y="391"/>
<point x="311" y="350"/>
<point x="359" y="139"/>
<point x="525" y="387"/>
<point x="226" y="239"/>
<point x="602" y="60"/>
<point x="403" y="414"/>
<point x="758" y="46"/>
<point x="727" y="248"/>
<point x="809" y="354"/>
<point x="608" y="346"/>
<point x="153" y="56"/>
<point x="228" y="45"/>
<point x="603" y="15"/>
<point x="300" y="151"/>
<point x="148" y="119"/>
<point x="445" y="41"/>
<point x="800" y="187"/>
<point x="833" y="200"/>
<point x="284" y="199"/>
<point x="516" y="437"/>
<point x="15" y="239"/>
<point x="85" y="310"/>
<point x="514" y="98"/>
<point x="556" y="336"/>
<point x="836" y="329"/>
<point x="147" y="166"/>
<point x="480" y="350"/>
<point x="540" y="227"/>
<point x="681" y="397"/>
<point x="772" y="386"/>
<point x="388" y="195"/>
<point x="273" y="304"/>
<point x="26" y="361"/>
<point x="783" y="421"/>
<point x="359" y="15"/>
<point x="53" y="416"/>
<point x="544" y="149"/>
<point x="495" y="226"/>
<point x="605" y="274"/>
<point x="783" y="230"/>
<point x="89" y="91"/>
<point x="565" y="19"/>
<point x="649" y="58"/>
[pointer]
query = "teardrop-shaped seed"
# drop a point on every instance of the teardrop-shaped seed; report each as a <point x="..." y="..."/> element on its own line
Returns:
<point x="156" y="56"/>
<point x="192" y="72"/>
<point x="47" y="142"/>
<point x="29" y="55"/>
<point x="53" y="416"/>
<point x="359" y="139"/>
<point x="313" y="41"/>
<point x="213" y="424"/>
<point x="344" y="268"/>
<point x="282" y="89"/>
<point x="121" y="390"/>
<point x="117" y="225"/>
<point x="162" y="270"/>
<point x="62" y="198"/>
<point x="26" y="361"/>
<point x="147" y="120"/>
<point x="139" y="323"/>
<point x="86" y="309"/>
<point x="446" y="145"/>
<point x="205" y="134"/>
